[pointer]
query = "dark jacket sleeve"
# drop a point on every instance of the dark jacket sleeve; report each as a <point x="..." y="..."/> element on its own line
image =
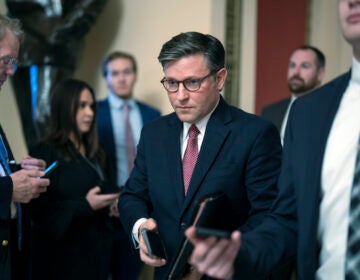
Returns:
<point x="6" y="189"/>
<point x="274" y="241"/>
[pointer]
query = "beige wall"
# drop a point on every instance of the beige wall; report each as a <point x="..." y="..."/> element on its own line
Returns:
<point x="248" y="56"/>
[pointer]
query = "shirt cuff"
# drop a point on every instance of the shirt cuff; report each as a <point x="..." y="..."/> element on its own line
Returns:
<point x="135" y="231"/>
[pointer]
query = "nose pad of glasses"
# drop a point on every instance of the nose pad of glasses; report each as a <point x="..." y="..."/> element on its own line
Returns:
<point x="182" y="90"/>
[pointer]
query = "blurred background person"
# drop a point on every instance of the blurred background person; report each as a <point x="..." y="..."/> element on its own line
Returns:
<point x="305" y="73"/>
<point x="71" y="225"/>
<point x="120" y="119"/>
<point x="16" y="186"/>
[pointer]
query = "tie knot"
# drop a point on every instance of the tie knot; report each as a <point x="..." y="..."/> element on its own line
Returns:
<point x="193" y="131"/>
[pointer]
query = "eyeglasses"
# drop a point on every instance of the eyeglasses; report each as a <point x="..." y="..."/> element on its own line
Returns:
<point x="191" y="84"/>
<point x="8" y="62"/>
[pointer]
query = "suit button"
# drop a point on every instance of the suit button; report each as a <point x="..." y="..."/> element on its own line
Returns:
<point x="183" y="226"/>
<point x="4" y="243"/>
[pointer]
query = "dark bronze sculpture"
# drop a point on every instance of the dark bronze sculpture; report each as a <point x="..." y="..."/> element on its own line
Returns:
<point x="54" y="32"/>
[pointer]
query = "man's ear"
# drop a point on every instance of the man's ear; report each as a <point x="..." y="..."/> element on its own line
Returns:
<point x="321" y="74"/>
<point x="220" y="78"/>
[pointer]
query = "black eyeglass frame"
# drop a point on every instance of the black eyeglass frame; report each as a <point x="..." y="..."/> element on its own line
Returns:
<point x="199" y="80"/>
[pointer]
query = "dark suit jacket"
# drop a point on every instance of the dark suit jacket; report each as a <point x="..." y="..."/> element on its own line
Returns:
<point x="240" y="156"/>
<point x="275" y="112"/>
<point x="70" y="240"/>
<point x="106" y="134"/>
<point x="6" y="189"/>
<point x="293" y="223"/>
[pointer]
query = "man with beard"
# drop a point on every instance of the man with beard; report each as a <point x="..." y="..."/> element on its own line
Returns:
<point x="305" y="72"/>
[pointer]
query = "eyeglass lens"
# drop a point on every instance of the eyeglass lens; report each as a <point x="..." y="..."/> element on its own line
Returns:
<point x="189" y="84"/>
<point x="8" y="61"/>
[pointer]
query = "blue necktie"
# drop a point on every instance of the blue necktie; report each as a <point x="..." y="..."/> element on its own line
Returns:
<point x="5" y="165"/>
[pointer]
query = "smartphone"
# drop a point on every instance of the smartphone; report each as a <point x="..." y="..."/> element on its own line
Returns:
<point x="215" y="217"/>
<point x="154" y="244"/>
<point x="50" y="169"/>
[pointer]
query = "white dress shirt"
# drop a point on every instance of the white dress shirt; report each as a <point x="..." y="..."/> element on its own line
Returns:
<point x="336" y="181"/>
<point x="116" y="111"/>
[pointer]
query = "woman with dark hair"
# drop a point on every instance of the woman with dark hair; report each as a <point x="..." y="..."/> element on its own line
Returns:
<point x="72" y="232"/>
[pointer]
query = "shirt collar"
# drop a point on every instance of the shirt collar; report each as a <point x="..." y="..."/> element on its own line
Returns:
<point x="117" y="102"/>
<point x="293" y="97"/>
<point x="355" y="71"/>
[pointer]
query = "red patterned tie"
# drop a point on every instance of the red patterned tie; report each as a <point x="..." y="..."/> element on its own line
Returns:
<point x="130" y="145"/>
<point x="190" y="156"/>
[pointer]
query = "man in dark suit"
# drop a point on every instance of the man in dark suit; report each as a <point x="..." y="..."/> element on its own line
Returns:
<point x="306" y="70"/>
<point x="235" y="153"/>
<point x="120" y="72"/>
<point x="315" y="215"/>
<point x="15" y="186"/>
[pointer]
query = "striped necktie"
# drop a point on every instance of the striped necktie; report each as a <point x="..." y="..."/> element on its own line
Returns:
<point x="352" y="263"/>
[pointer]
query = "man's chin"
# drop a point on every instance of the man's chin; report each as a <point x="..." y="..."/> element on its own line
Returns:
<point x="296" y="89"/>
<point x="123" y="95"/>
<point x="185" y="117"/>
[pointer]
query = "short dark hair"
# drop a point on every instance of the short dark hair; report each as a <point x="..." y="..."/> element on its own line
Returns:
<point x="64" y="105"/>
<point x="320" y="57"/>
<point x="12" y="24"/>
<point x="115" y="55"/>
<point x="191" y="43"/>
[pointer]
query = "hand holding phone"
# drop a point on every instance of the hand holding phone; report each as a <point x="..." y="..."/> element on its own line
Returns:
<point x="154" y="244"/>
<point x="50" y="169"/>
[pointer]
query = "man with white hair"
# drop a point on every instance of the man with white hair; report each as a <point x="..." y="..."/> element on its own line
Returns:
<point x="16" y="186"/>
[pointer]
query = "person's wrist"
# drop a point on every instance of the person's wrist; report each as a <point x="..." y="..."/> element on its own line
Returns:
<point x="137" y="228"/>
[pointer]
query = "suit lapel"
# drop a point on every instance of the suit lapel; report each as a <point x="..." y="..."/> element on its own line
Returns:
<point x="280" y="113"/>
<point x="334" y="99"/>
<point x="7" y="147"/>
<point x="309" y="197"/>
<point x="105" y="123"/>
<point x="173" y="155"/>
<point x="144" y="117"/>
